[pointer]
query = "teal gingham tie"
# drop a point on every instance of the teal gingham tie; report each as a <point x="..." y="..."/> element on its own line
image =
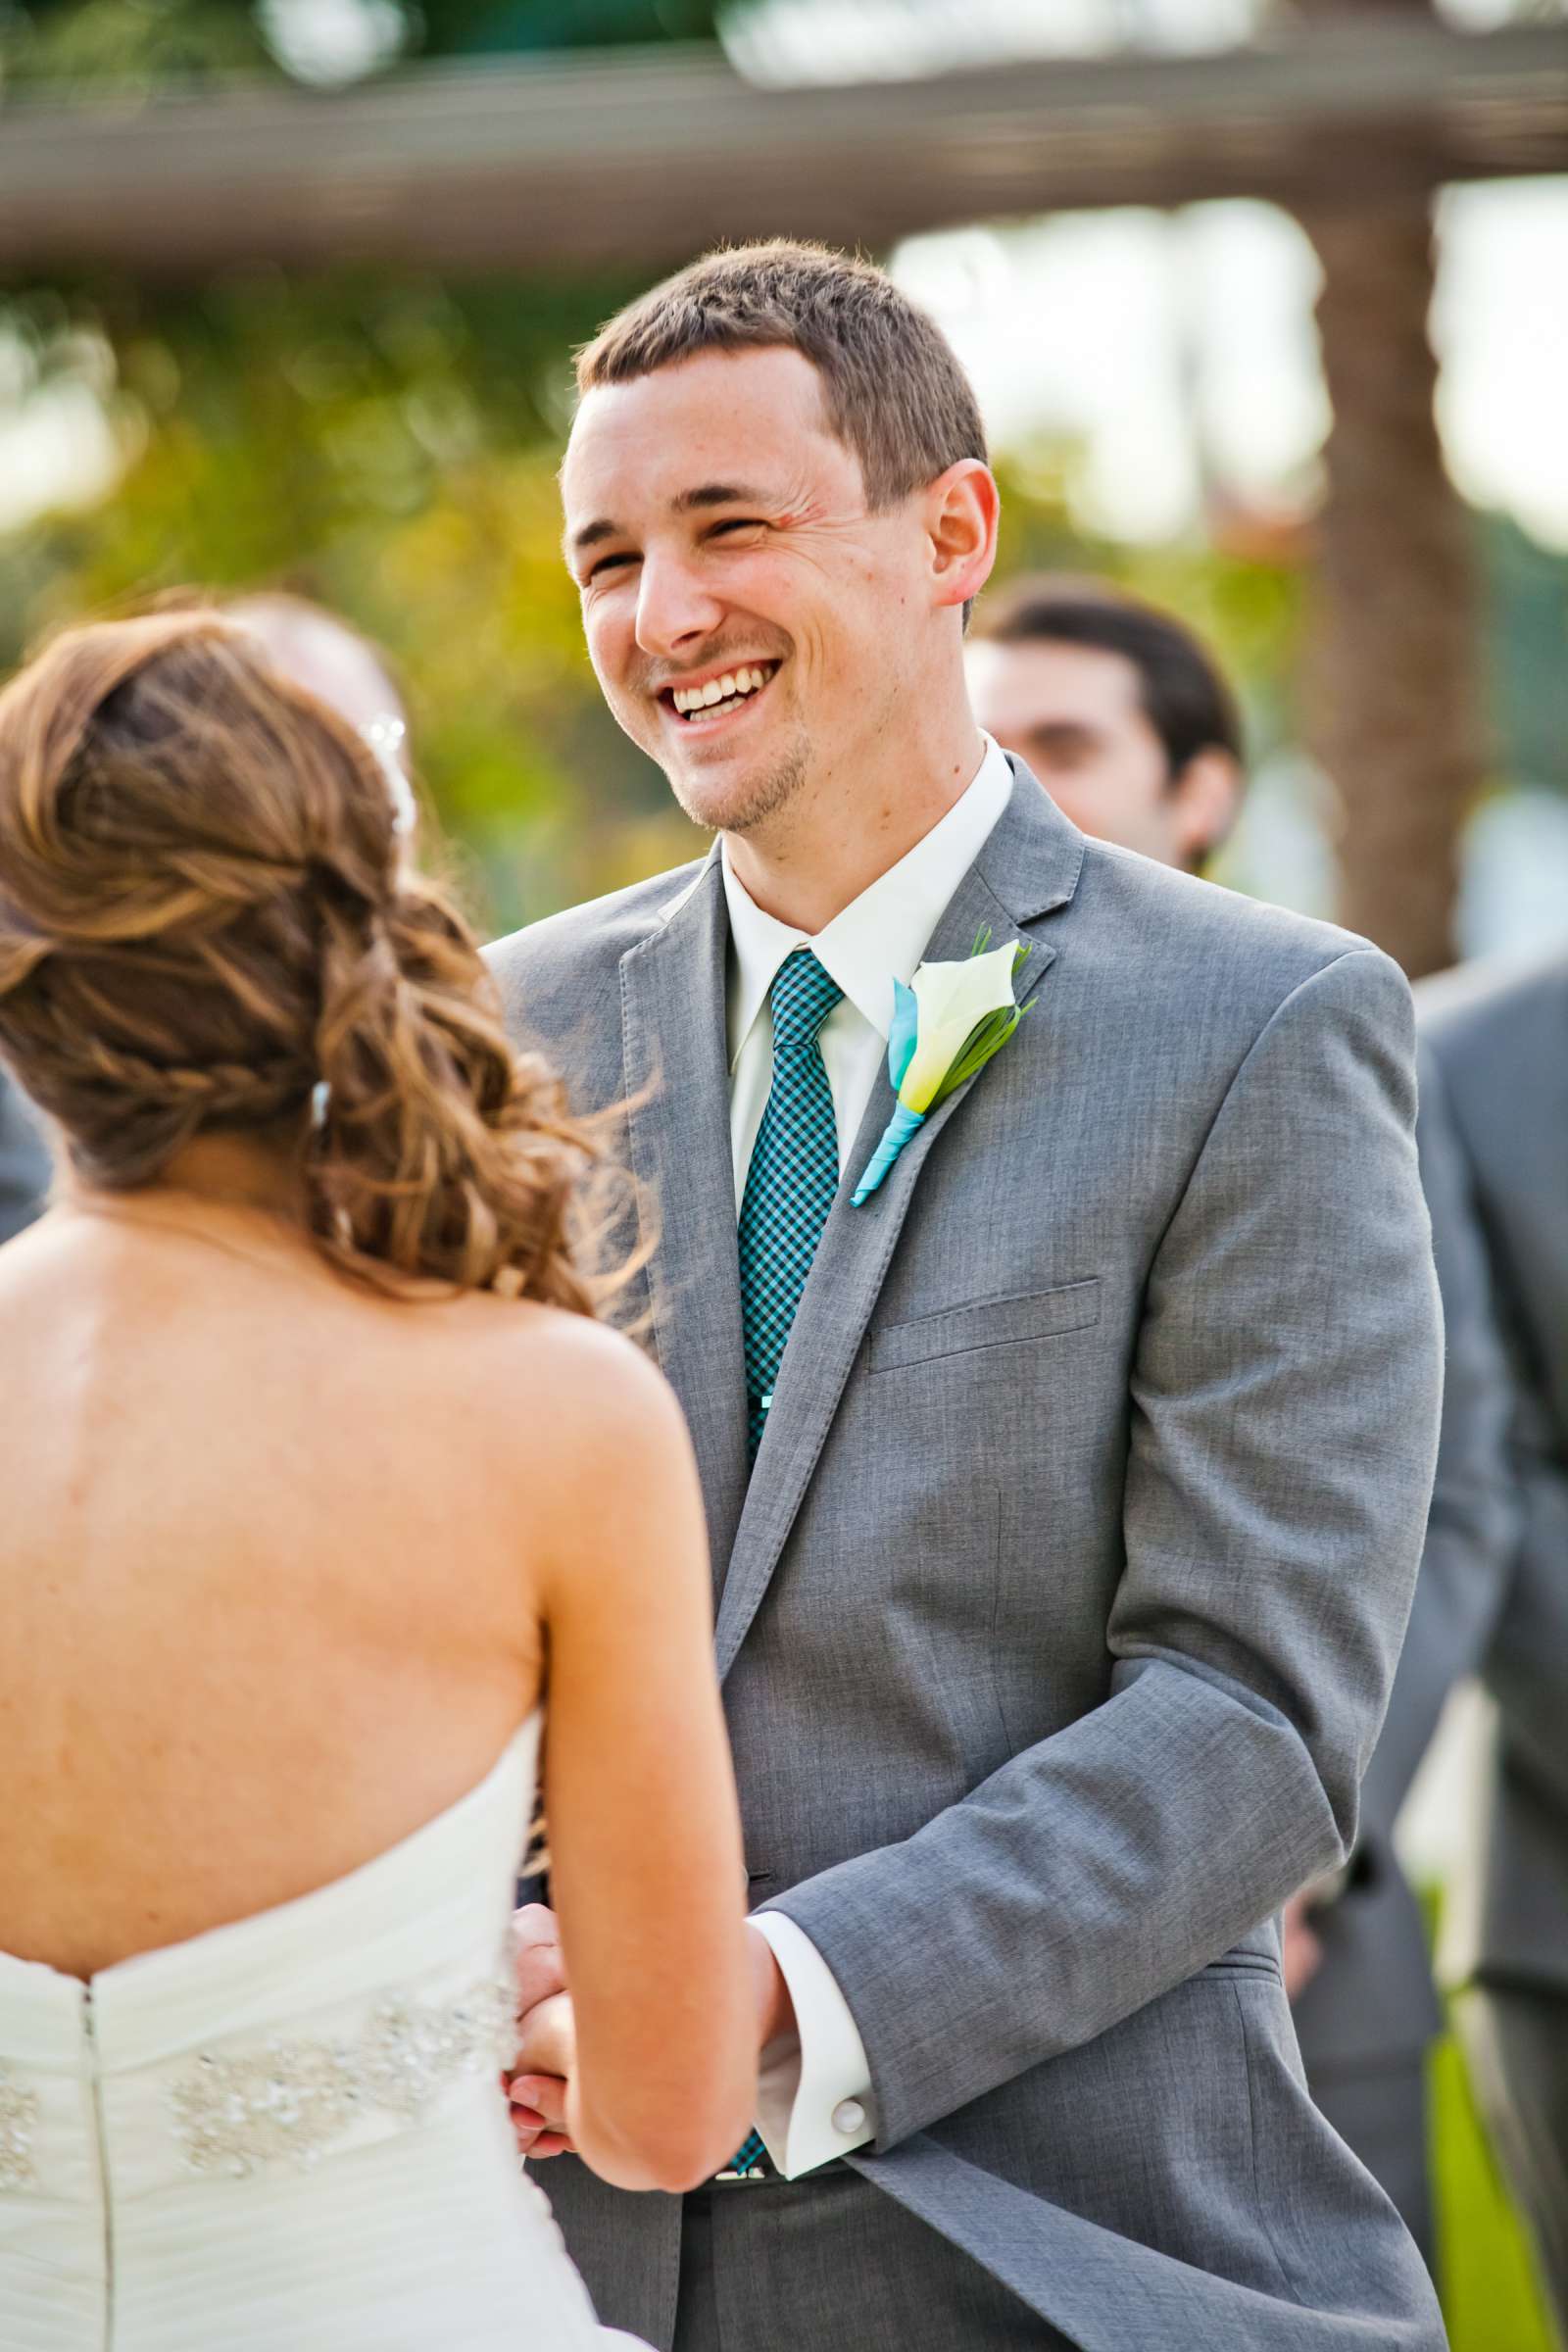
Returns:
<point x="791" y="1178"/>
<point x="789" y="1190"/>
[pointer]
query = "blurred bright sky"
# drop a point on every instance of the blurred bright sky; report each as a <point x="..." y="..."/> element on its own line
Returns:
<point x="1179" y="350"/>
<point x="846" y="40"/>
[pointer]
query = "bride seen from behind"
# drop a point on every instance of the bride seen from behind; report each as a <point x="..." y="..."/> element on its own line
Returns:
<point x="321" y="1476"/>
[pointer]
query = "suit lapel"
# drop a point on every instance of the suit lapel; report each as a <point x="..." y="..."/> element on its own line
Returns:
<point x="1028" y="867"/>
<point x="676" y="1066"/>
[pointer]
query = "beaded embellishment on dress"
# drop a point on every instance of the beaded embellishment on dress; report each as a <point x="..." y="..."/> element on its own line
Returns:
<point x="19" y="2112"/>
<point x="290" y="2100"/>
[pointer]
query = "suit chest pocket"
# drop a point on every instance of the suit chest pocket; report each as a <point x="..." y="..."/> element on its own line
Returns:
<point x="986" y="1323"/>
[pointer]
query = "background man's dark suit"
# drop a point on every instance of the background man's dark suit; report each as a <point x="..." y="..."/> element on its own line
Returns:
<point x="1499" y="1043"/>
<point x="1368" y="2017"/>
<point x="24" y="1161"/>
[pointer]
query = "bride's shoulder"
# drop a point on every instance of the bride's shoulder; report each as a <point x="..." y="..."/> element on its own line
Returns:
<point x="565" y="1386"/>
<point x="585" y="1435"/>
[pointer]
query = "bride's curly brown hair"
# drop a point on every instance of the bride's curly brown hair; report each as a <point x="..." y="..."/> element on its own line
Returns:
<point x="206" y="912"/>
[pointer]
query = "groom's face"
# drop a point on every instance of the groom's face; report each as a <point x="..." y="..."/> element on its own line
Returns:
<point x="747" y="616"/>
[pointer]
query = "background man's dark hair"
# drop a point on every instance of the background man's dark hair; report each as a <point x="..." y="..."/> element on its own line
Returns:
<point x="1184" y="697"/>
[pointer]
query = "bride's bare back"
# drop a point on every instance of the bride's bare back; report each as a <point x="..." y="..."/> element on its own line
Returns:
<point x="270" y="1566"/>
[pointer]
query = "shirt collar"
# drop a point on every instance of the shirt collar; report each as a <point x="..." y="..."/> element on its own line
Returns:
<point x="882" y="934"/>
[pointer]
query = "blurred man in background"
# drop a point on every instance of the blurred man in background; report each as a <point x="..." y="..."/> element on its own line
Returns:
<point x="1117" y="709"/>
<point x="331" y="660"/>
<point x="1497" y="1043"/>
<point x="1132" y="729"/>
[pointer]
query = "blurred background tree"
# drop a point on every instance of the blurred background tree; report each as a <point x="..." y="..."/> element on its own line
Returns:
<point x="1393" y="703"/>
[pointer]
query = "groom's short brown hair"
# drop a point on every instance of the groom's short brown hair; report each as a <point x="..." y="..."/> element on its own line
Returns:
<point x="892" y="389"/>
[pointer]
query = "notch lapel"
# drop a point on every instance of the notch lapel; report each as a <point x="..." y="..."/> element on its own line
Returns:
<point x="676" y="1068"/>
<point x="1028" y="867"/>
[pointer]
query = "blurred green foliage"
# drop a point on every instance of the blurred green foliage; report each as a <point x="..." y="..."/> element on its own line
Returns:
<point x="386" y="445"/>
<point x="1490" y="2300"/>
<point x="1526" y="592"/>
<point x="143" y="42"/>
<point x="132" y="43"/>
<point x="389" y="448"/>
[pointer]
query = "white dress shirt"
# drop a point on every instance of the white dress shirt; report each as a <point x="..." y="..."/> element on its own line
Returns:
<point x="815" y="2095"/>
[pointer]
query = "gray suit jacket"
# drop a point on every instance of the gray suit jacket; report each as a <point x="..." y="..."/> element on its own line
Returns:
<point x="1373" y="2001"/>
<point x="1500" y="1036"/>
<point x="1059" y="1614"/>
<point x="23" y="1160"/>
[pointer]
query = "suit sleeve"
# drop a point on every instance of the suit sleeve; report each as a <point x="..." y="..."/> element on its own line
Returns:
<point x="1473" y="1530"/>
<point x="1284" y="1414"/>
<point x="1526" y="1669"/>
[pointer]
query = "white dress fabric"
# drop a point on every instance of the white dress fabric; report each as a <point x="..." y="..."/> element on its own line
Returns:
<point x="288" y="2134"/>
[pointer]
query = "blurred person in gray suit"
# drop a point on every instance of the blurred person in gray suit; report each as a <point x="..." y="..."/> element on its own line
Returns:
<point x="1496" y="1038"/>
<point x="1065" y="1492"/>
<point x="334" y="660"/>
<point x="1134" y="732"/>
<point x="1367" y="2009"/>
<point x="23" y="1159"/>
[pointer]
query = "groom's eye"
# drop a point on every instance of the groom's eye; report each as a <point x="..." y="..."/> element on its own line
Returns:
<point x="738" y="522"/>
<point x="608" y="563"/>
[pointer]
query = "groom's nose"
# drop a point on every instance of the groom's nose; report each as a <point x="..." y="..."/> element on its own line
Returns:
<point x="675" y="613"/>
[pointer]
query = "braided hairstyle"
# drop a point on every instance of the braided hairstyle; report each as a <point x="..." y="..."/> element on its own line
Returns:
<point x="206" y="911"/>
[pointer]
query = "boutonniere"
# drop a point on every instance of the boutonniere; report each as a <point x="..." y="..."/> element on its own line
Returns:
<point x="947" y="1024"/>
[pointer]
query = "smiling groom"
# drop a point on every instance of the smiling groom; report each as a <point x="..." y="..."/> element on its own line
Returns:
<point x="1066" y="1493"/>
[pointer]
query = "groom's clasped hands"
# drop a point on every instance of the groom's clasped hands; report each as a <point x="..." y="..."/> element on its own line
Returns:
<point x="547" y="2042"/>
<point x="546" y="2058"/>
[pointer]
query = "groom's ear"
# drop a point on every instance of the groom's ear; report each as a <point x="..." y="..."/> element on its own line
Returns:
<point x="962" y="507"/>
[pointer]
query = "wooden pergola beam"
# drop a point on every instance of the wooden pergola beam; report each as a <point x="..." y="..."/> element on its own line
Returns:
<point x="647" y="157"/>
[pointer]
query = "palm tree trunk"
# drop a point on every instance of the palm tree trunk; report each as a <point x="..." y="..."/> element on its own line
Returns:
<point x="1393" y="702"/>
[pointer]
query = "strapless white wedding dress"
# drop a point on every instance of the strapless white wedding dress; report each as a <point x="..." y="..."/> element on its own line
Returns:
<point x="288" y="2134"/>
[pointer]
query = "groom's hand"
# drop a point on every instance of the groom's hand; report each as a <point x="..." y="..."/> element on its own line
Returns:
<point x="537" y="2086"/>
<point x="546" y="2038"/>
<point x="547" y="2056"/>
<point x="540" y="1968"/>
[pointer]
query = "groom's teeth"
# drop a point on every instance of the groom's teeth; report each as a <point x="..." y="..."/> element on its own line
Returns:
<point x="734" y="685"/>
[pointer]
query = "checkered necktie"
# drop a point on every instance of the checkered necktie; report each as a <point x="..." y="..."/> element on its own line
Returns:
<point x="791" y="1178"/>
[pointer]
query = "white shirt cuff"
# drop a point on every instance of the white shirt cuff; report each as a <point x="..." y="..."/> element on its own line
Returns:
<point x="813" y="2097"/>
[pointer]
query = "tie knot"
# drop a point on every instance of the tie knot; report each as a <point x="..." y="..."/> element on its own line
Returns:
<point x="803" y="995"/>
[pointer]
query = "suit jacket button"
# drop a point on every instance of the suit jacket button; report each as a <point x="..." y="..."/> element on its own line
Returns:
<point x="848" y="2116"/>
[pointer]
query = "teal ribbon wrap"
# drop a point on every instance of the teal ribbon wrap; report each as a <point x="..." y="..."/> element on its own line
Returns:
<point x="903" y="1124"/>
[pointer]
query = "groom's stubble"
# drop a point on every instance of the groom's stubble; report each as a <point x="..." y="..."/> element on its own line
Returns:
<point x="751" y="804"/>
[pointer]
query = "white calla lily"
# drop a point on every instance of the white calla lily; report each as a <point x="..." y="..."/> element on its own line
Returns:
<point x="953" y="999"/>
